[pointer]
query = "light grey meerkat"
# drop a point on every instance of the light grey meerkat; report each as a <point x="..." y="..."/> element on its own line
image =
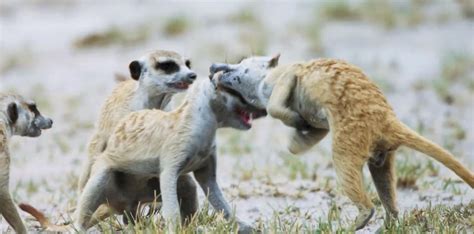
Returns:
<point x="156" y="77"/>
<point x="364" y="126"/>
<point x="154" y="143"/>
<point x="18" y="116"/>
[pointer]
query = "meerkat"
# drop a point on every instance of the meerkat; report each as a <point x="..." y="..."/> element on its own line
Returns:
<point x="364" y="126"/>
<point x="156" y="77"/>
<point x="18" y="116"/>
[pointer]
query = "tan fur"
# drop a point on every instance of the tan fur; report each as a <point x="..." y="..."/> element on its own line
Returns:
<point x="361" y="120"/>
<point x="122" y="101"/>
<point x="131" y="95"/>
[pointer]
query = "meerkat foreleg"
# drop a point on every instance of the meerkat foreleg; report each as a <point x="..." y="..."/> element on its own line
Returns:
<point x="169" y="195"/>
<point x="384" y="179"/>
<point x="206" y="177"/>
<point x="278" y="102"/>
<point x="302" y="141"/>
<point x="9" y="211"/>
<point x="7" y="206"/>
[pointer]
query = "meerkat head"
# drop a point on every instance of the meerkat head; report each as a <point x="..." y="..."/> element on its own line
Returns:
<point x="232" y="110"/>
<point x="164" y="71"/>
<point x="245" y="77"/>
<point x="23" y="117"/>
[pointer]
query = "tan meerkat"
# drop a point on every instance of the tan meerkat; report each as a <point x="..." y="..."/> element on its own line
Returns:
<point x="154" y="143"/>
<point x="364" y="126"/>
<point x="18" y="116"/>
<point x="156" y="77"/>
<point x="160" y="75"/>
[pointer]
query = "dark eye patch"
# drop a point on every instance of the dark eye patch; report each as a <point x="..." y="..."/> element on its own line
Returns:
<point x="33" y="109"/>
<point x="168" y="67"/>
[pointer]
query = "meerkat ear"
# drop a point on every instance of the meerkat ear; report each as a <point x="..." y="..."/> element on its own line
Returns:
<point x="135" y="69"/>
<point x="12" y="111"/>
<point x="274" y="61"/>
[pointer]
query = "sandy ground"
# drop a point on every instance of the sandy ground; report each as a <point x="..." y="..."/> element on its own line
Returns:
<point x="39" y="60"/>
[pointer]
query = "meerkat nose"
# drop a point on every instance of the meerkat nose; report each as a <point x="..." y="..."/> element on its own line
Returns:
<point x="192" y="75"/>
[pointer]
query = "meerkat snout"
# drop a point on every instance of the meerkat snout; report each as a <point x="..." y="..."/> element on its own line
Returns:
<point x="192" y="75"/>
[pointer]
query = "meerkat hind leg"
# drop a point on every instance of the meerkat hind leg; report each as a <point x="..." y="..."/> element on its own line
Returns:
<point x="349" y="174"/>
<point x="188" y="198"/>
<point x="303" y="141"/>
<point x="385" y="183"/>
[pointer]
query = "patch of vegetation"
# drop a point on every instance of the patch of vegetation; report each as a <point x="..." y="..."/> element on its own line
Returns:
<point x="296" y="167"/>
<point x="176" y="25"/>
<point x="409" y="170"/>
<point x="456" y="68"/>
<point x="244" y="16"/>
<point x="113" y="36"/>
<point x="16" y="59"/>
<point x="339" y="10"/>
<point x="437" y="219"/>
<point x="380" y="12"/>
<point x="467" y="8"/>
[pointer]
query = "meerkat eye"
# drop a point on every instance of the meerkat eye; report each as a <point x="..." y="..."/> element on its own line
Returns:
<point x="168" y="67"/>
<point x="33" y="108"/>
<point x="188" y="63"/>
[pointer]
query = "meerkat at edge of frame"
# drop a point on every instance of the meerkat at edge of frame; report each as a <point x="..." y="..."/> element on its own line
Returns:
<point x="364" y="126"/>
<point x="20" y="117"/>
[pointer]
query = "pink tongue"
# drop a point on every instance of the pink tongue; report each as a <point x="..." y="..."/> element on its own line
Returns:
<point x="245" y="117"/>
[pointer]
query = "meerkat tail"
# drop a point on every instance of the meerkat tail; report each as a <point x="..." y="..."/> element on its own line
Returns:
<point x="417" y="142"/>
<point x="38" y="215"/>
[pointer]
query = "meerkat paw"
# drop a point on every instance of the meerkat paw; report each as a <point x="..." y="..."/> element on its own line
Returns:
<point x="364" y="217"/>
<point x="299" y="143"/>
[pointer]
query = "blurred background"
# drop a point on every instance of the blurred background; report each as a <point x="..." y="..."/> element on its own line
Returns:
<point x="65" y="55"/>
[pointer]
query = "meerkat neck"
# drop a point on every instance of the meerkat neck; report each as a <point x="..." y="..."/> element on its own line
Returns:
<point x="201" y="99"/>
<point x="265" y="87"/>
<point x="145" y="98"/>
<point x="264" y="92"/>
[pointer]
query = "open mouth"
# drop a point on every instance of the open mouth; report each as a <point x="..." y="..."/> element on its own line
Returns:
<point x="179" y="85"/>
<point x="249" y="112"/>
<point x="246" y="117"/>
